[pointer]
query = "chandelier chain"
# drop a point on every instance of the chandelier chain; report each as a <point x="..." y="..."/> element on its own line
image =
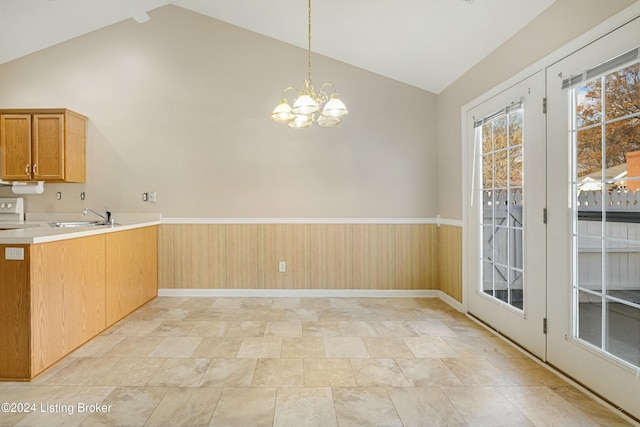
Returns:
<point x="309" y="39"/>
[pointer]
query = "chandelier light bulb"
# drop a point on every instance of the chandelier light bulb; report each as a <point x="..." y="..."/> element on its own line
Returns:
<point x="308" y="103"/>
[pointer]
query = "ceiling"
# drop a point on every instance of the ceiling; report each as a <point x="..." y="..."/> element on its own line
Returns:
<point x="424" y="43"/>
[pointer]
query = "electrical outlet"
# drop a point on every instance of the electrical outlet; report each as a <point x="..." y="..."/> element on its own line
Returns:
<point x="282" y="266"/>
<point x="14" y="253"/>
<point x="153" y="197"/>
<point x="58" y="195"/>
<point x="145" y="197"/>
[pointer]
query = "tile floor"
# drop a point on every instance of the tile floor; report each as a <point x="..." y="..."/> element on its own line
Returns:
<point x="300" y="362"/>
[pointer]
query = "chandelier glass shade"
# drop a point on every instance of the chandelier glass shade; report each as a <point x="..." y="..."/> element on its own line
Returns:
<point x="325" y="109"/>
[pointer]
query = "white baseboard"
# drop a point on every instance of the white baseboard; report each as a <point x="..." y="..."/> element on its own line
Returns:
<point x="312" y="293"/>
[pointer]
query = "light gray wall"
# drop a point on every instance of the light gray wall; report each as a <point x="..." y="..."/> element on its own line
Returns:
<point x="180" y="105"/>
<point x="561" y="23"/>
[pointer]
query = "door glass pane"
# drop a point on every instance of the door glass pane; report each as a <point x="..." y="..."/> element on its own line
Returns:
<point x="622" y="92"/>
<point x="590" y="318"/>
<point x="502" y="206"/>
<point x="606" y="187"/>
<point x="623" y="331"/>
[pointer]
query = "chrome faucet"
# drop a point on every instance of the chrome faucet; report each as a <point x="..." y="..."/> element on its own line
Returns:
<point x="107" y="215"/>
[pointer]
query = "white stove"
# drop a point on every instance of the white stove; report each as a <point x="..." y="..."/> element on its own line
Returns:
<point x="11" y="209"/>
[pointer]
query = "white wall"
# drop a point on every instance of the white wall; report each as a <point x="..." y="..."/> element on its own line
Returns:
<point x="561" y="23"/>
<point x="180" y="105"/>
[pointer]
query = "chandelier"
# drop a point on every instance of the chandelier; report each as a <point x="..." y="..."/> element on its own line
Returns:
<point x="309" y="106"/>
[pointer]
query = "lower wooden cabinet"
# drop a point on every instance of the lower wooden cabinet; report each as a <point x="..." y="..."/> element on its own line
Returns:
<point x="132" y="271"/>
<point x="66" y="292"/>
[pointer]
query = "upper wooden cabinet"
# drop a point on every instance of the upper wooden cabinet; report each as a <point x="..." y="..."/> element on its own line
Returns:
<point x="42" y="145"/>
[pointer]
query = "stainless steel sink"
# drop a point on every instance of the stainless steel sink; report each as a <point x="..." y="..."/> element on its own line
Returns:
<point x="77" y="224"/>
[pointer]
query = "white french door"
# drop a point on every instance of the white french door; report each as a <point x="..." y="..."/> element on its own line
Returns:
<point x="506" y="231"/>
<point x="593" y="257"/>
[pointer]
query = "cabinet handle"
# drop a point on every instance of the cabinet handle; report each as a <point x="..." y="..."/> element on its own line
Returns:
<point x="26" y="169"/>
<point x="35" y="169"/>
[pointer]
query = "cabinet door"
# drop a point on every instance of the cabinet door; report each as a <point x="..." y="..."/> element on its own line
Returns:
<point x="132" y="270"/>
<point x="15" y="140"/>
<point x="48" y="147"/>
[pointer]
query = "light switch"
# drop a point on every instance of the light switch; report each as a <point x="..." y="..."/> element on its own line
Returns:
<point x="14" y="253"/>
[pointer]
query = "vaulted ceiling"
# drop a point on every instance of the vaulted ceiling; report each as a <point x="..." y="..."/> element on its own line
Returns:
<point x="424" y="43"/>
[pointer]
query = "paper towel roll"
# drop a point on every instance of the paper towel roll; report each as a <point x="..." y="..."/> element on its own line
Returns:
<point x="28" y="187"/>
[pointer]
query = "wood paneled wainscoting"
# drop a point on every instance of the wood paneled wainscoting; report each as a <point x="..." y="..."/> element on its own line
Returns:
<point x="318" y="256"/>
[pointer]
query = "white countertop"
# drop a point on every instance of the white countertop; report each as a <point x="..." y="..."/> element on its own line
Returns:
<point x="36" y="229"/>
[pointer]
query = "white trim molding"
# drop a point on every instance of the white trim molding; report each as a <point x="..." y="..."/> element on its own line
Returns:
<point x="311" y="293"/>
<point x="437" y="221"/>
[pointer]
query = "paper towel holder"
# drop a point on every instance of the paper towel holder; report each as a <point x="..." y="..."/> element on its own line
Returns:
<point x="28" y="187"/>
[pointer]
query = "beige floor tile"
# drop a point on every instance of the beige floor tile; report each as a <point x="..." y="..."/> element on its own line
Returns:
<point x="285" y="303"/>
<point x="485" y="406"/>
<point x="127" y="406"/>
<point x="257" y="302"/>
<point x="284" y="329"/>
<point x="476" y="347"/>
<point x="229" y="373"/>
<point x="228" y="303"/>
<point x="260" y="347"/>
<point x="428" y="373"/>
<point x="430" y="347"/>
<point x="83" y="370"/>
<point x="133" y="328"/>
<point x="134" y="347"/>
<point x="524" y="371"/>
<point x="334" y="314"/>
<point x="130" y="372"/>
<point x="174" y="313"/>
<point x="278" y="373"/>
<point x="391" y="328"/>
<point x="179" y="373"/>
<point x="425" y="407"/>
<point x="589" y="407"/>
<point x="209" y="328"/>
<point x="173" y="328"/>
<point x="431" y="328"/>
<point x="246" y="328"/>
<point x="546" y="408"/>
<point x="98" y="346"/>
<point x="304" y="407"/>
<point x="315" y="303"/>
<point x="218" y="348"/>
<point x="190" y="407"/>
<point x="64" y="407"/>
<point x="302" y="347"/>
<point x="236" y="314"/>
<point x="173" y="347"/>
<point x="320" y="329"/>
<point x="268" y="314"/>
<point x="252" y="407"/>
<point x="378" y="373"/>
<point x="357" y="329"/>
<point x="403" y="302"/>
<point x="199" y="303"/>
<point x="25" y="393"/>
<point x="365" y="407"/>
<point x="328" y="373"/>
<point x="387" y="348"/>
<point x="345" y="347"/>
<point x="477" y="372"/>
<point x="302" y="314"/>
<point x="203" y="314"/>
